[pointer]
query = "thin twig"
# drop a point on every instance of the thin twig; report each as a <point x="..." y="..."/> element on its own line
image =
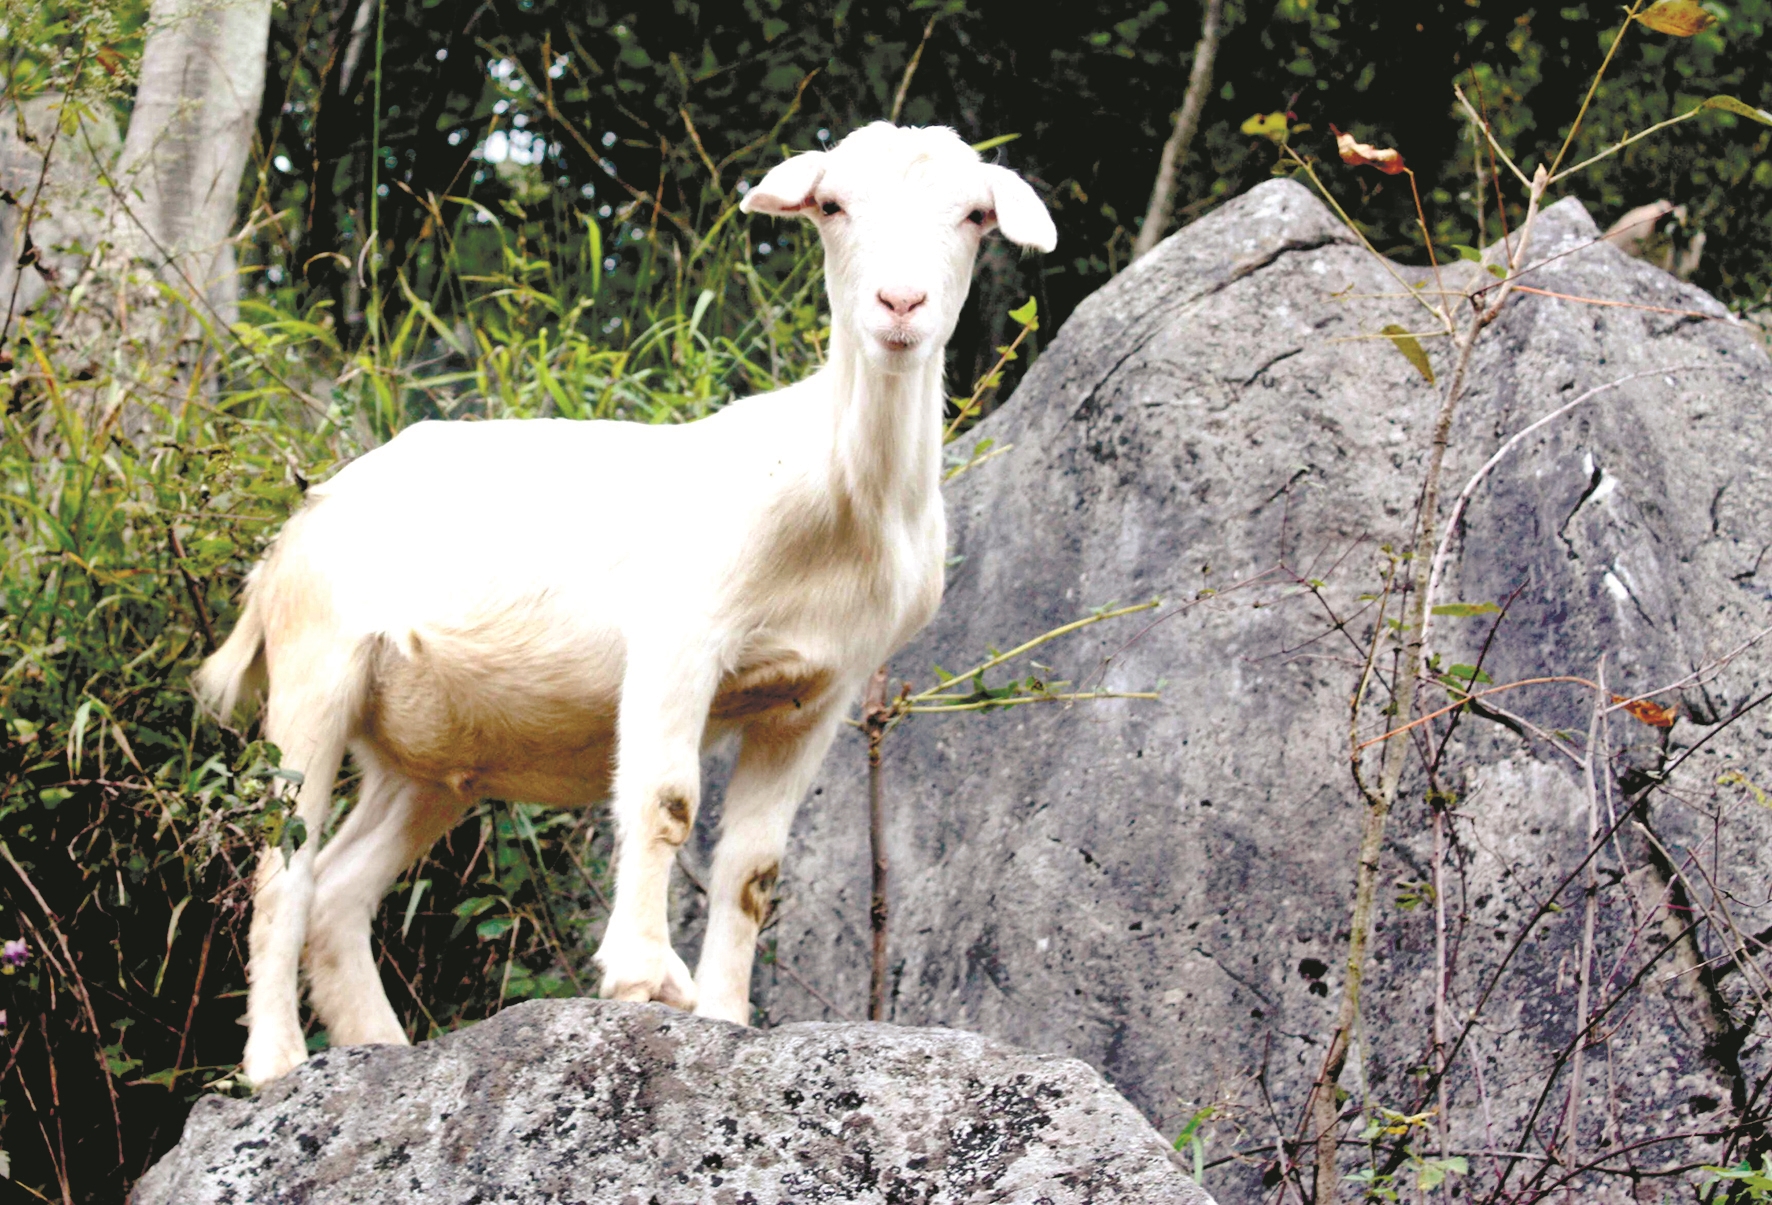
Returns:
<point x="1513" y="442"/>
<point x="1575" y="127"/>
<point x="79" y="983"/>
<point x="1161" y="210"/>
<point x="1625" y="305"/>
<point x="1590" y="905"/>
<point x="876" y="719"/>
<point x="810" y="990"/>
<point x="910" y="71"/>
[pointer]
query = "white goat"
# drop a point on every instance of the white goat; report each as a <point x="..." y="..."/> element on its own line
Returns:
<point x="549" y="610"/>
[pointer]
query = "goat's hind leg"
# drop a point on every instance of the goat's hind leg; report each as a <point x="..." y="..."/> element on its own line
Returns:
<point x="310" y="730"/>
<point x="395" y="820"/>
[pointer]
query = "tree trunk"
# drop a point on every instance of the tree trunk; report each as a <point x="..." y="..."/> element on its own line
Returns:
<point x="54" y="206"/>
<point x="85" y="216"/>
<point x="202" y="80"/>
<point x="1187" y="122"/>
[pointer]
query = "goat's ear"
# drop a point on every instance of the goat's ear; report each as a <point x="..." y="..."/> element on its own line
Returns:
<point x="787" y="189"/>
<point x="1021" y="215"/>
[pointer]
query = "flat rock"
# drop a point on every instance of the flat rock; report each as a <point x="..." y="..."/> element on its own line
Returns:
<point x="609" y="1104"/>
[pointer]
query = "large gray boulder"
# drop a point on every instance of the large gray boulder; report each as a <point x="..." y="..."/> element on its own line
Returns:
<point x="1163" y="889"/>
<point x="610" y="1104"/>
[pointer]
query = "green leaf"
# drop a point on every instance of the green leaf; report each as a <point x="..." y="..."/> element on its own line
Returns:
<point x="418" y="891"/>
<point x="295" y="835"/>
<point x="1468" y="673"/>
<point x="992" y="143"/>
<point x="1681" y="18"/>
<point x="1472" y="255"/>
<point x="424" y="311"/>
<point x="1463" y="609"/>
<point x="1740" y="108"/>
<point x="1194" y="1123"/>
<point x="1028" y="314"/>
<point x="1433" y="1172"/>
<point x="489" y="929"/>
<point x="1411" y="350"/>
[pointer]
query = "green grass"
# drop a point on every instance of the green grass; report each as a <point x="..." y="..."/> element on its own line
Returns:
<point x="132" y="502"/>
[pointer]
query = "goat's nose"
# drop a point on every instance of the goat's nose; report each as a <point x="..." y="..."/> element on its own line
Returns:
<point x="902" y="302"/>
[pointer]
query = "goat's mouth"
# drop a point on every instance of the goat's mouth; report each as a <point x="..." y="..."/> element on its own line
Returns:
<point x="898" y="339"/>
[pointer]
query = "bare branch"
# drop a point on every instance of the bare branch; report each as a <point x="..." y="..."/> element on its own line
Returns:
<point x="1187" y="122"/>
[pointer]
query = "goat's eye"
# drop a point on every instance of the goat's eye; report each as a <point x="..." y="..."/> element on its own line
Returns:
<point x="977" y="217"/>
<point x="830" y="209"/>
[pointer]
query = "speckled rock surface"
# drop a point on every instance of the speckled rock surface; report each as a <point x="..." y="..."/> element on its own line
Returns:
<point x="1162" y="889"/>
<point x="610" y="1104"/>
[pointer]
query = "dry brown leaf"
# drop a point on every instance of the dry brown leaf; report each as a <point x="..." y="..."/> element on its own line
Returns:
<point x="1681" y="18"/>
<point x="1364" y="154"/>
<point x="1652" y="714"/>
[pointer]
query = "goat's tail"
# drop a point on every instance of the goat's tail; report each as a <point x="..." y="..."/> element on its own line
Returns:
<point x="234" y="676"/>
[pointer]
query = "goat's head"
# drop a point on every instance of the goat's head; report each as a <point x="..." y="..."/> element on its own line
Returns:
<point x="901" y="213"/>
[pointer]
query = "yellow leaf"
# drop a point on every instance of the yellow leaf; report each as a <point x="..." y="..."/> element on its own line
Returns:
<point x="1411" y="350"/>
<point x="1681" y="18"/>
<point x="1740" y="108"/>
<point x="1266" y="125"/>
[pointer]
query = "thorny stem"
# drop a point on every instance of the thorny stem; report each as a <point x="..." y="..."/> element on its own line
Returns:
<point x="1324" y="1105"/>
<point x="1440" y="1116"/>
<point x="876" y="717"/>
<point x="1590" y="903"/>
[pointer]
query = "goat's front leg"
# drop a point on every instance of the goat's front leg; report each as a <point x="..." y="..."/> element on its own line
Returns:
<point x="775" y="769"/>
<point x="664" y="709"/>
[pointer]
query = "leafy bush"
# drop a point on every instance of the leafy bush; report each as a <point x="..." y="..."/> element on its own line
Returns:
<point x="128" y="823"/>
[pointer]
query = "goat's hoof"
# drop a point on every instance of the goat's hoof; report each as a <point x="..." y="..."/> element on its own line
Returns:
<point x="270" y="1057"/>
<point x="641" y="971"/>
<point x="736" y="1011"/>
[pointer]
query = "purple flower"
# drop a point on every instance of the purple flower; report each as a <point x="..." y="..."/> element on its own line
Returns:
<point x="15" y="953"/>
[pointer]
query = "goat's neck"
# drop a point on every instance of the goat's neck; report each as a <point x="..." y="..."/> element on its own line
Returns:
<point x="887" y="434"/>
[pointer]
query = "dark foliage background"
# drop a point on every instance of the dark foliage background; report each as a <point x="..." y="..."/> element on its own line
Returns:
<point x="678" y="103"/>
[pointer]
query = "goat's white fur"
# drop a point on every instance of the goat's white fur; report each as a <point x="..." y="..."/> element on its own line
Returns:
<point x="496" y="609"/>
